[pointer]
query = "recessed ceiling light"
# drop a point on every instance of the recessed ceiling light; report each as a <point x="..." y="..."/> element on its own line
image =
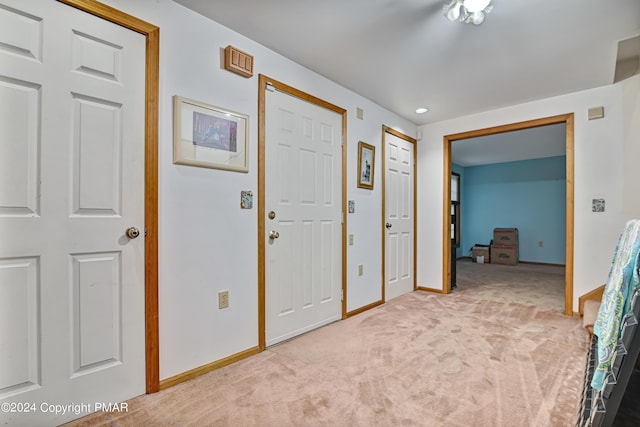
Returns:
<point x="421" y="110"/>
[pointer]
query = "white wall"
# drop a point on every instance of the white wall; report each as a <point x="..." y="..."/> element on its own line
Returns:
<point x="207" y="243"/>
<point x="606" y="166"/>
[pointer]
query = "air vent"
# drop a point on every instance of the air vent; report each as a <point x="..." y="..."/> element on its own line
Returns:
<point x="238" y="61"/>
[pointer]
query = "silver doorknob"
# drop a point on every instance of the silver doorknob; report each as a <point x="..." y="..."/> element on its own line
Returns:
<point x="388" y="225"/>
<point x="273" y="234"/>
<point x="132" y="232"/>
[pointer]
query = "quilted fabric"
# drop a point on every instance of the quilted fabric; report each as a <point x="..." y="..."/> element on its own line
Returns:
<point x="616" y="300"/>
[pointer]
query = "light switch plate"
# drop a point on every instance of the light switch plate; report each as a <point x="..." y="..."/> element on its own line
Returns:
<point x="597" y="205"/>
<point x="246" y="199"/>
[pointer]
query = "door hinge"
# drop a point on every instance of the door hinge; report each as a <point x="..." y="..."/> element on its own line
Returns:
<point x="341" y="217"/>
<point x="270" y="87"/>
<point x="341" y="295"/>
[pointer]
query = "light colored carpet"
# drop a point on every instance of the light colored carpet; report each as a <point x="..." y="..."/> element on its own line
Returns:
<point x="528" y="284"/>
<point x="496" y="352"/>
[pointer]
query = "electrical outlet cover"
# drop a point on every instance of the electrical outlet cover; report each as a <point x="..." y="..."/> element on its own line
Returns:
<point x="223" y="299"/>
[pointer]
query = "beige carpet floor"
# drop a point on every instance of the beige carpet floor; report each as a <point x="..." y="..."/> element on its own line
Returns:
<point x="496" y="352"/>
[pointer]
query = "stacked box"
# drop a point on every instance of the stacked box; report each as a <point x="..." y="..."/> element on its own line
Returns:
<point x="505" y="236"/>
<point x="501" y="254"/>
<point x="504" y="249"/>
<point x="480" y="251"/>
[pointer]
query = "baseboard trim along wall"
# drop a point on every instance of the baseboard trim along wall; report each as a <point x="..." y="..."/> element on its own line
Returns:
<point x="435" y="291"/>
<point x="196" y="372"/>
<point x="522" y="262"/>
<point x="365" y="308"/>
<point x="542" y="263"/>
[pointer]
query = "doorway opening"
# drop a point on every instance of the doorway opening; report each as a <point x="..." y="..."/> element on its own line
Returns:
<point x="398" y="213"/>
<point x="568" y="120"/>
<point x="152" y="79"/>
<point x="295" y="233"/>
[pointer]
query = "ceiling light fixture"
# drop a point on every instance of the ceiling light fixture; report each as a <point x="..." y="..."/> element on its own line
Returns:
<point x="467" y="11"/>
<point x="421" y="110"/>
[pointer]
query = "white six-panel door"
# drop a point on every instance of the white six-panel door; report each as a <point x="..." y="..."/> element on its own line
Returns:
<point x="399" y="221"/>
<point x="303" y="241"/>
<point x="71" y="183"/>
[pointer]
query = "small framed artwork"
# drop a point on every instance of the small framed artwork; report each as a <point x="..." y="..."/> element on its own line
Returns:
<point x="366" y="159"/>
<point x="209" y="137"/>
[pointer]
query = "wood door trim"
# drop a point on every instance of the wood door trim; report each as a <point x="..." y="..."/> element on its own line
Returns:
<point x="568" y="120"/>
<point x="152" y="35"/>
<point x="385" y="130"/>
<point x="262" y="85"/>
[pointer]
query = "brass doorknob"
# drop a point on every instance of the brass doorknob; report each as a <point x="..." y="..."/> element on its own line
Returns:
<point x="273" y="234"/>
<point x="132" y="232"/>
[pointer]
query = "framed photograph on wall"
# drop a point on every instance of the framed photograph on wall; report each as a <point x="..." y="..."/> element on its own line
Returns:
<point x="209" y="137"/>
<point x="366" y="163"/>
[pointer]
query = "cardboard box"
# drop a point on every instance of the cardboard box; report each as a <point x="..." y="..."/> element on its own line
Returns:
<point x="504" y="254"/>
<point x="480" y="251"/>
<point x="505" y="236"/>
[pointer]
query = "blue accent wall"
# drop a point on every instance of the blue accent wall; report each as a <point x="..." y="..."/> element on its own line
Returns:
<point x="528" y="195"/>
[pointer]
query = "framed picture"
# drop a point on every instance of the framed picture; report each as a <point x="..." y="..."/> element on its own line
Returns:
<point x="366" y="160"/>
<point x="209" y="137"/>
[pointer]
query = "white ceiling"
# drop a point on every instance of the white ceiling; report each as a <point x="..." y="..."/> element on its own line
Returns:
<point x="533" y="143"/>
<point x="403" y="54"/>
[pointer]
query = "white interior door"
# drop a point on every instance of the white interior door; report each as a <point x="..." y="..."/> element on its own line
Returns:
<point x="72" y="108"/>
<point x="400" y="222"/>
<point x="303" y="240"/>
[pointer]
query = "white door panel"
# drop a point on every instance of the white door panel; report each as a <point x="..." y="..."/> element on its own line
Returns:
<point x="72" y="108"/>
<point x="303" y="157"/>
<point x="400" y="224"/>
